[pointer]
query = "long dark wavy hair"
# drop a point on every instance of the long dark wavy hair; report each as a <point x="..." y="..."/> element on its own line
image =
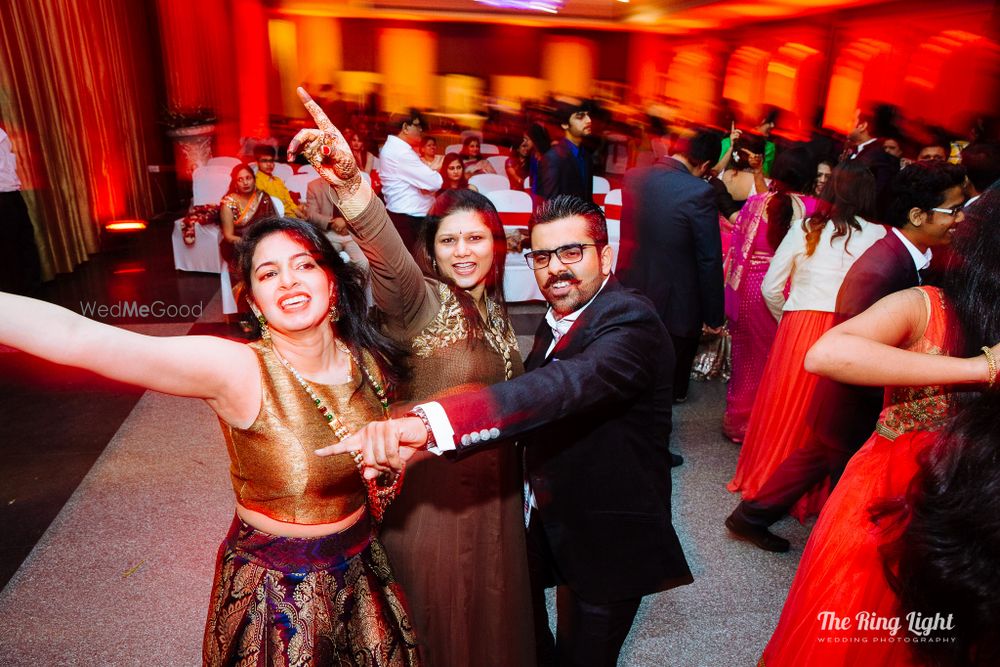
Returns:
<point x="850" y="192"/>
<point x="446" y="182"/>
<point x="358" y="331"/>
<point x="947" y="559"/>
<point x="453" y="201"/>
<point x="791" y="174"/>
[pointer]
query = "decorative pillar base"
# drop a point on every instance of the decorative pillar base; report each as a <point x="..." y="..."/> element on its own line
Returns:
<point x="192" y="148"/>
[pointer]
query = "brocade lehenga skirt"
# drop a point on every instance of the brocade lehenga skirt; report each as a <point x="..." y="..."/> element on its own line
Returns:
<point x="329" y="600"/>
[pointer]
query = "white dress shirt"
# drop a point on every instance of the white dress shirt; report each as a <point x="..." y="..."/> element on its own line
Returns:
<point x="815" y="278"/>
<point x="9" y="182"/>
<point x="857" y="149"/>
<point x="408" y="184"/>
<point x="921" y="259"/>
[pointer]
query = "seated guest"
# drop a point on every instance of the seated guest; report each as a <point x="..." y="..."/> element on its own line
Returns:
<point x="823" y="171"/>
<point x="934" y="151"/>
<point x="472" y="160"/>
<point x="266" y="157"/>
<point x="453" y="174"/>
<point x="365" y="160"/>
<point x="428" y="153"/>
<point x="518" y="165"/>
<point x="243" y="204"/>
<point x="323" y="210"/>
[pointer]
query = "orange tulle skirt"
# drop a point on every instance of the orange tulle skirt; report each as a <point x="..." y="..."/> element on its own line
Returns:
<point x="841" y="575"/>
<point x="778" y="424"/>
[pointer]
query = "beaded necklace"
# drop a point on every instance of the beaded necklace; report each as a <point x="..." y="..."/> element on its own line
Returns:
<point x="379" y="495"/>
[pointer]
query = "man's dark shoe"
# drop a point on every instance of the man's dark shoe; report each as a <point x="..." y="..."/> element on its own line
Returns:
<point x="756" y="535"/>
<point x="676" y="460"/>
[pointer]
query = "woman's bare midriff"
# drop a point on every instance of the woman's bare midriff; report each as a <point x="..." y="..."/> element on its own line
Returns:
<point x="284" y="529"/>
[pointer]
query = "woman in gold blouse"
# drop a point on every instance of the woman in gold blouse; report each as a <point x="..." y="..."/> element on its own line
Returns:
<point x="447" y="306"/>
<point x="300" y="578"/>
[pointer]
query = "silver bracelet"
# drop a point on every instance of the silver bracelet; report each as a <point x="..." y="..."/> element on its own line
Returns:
<point x="422" y="416"/>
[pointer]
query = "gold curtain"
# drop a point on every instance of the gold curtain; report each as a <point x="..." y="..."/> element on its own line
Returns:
<point x="76" y="98"/>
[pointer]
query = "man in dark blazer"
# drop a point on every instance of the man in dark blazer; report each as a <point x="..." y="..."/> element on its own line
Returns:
<point x="844" y="416"/>
<point x="869" y="150"/>
<point x="671" y="247"/>
<point x="566" y="167"/>
<point x="593" y="415"/>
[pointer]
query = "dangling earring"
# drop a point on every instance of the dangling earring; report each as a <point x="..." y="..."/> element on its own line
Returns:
<point x="334" y="313"/>
<point x="434" y="263"/>
<point x="265" y="332"/>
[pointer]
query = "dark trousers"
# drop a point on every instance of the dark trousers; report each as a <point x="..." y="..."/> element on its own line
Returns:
<point x="685" y="349"/>
<point x="797" y="474"/>
<point x="408" y="227"/>
<point x="587" y="635"/>
<point x="20" y="268"/>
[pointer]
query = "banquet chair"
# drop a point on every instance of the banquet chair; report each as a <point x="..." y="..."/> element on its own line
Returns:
<point x="307" y="169"/>
<point x="613" y="214"/>
<point x="486" y="183"/>
<point x="601" y="188"/>
<point x="300" y="183"/>
<point x="513" y="206"/>
<point x="499" y="163"/>
<point x="209" y="184"/>
<point x="223" y="161"/>
<point x="453" y="148"/>
<point x="225" y="282"/>
<point x="489" y="149"/>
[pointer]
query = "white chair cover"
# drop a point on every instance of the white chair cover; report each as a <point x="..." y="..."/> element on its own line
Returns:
<point x="209" y="184"/>
<point x="601" y="185"/>
<point x="499" y="163"/>
<point x="486" y="183"/>
<point x="489" y="149"/>
<point x="307" y="169"/>
<point x="510" y="201"/>
<point x="614" y="197"/>
<point x="453" y="148"/>
<point x="223" y="161"/>
<point x="300" y="183"/>
<point x="283" y="171"/>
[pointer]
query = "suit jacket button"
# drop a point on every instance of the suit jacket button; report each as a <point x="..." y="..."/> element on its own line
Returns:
<point x="465" y="439"/>
<point x="494" y="433"/>
<point x="474" y="437"/>
<point x="484" y="434"/>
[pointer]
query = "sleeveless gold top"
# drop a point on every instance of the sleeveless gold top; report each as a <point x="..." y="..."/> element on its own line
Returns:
<point x="272" y="465"/>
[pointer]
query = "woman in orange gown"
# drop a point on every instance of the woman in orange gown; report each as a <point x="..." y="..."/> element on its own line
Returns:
<point x="842" y="609"/>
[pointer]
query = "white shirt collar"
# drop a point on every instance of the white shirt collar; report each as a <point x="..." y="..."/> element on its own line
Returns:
<point x="857" y="149"/>
<point x="562" y="326"/>
<point x="921" y="259"/>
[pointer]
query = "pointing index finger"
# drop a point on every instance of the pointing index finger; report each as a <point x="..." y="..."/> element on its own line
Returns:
<point x="322" y="121"/>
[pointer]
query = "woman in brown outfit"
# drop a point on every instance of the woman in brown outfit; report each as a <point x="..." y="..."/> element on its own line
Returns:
<point x="455" y="536"/>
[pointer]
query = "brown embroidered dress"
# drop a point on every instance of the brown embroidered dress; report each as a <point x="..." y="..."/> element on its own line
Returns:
<point x="455" y="535"/>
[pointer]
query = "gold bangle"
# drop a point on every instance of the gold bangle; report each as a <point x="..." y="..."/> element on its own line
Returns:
<point x="991" y="365"/>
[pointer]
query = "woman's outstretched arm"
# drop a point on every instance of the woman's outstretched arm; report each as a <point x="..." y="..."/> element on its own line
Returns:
<point x="198" y="366"/>
<point x="865" y="350"/>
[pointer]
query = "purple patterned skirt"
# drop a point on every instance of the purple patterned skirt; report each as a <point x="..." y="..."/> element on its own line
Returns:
<point x="329" y="600"/>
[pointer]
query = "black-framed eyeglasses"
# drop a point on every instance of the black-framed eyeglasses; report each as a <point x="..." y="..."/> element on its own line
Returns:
<point x="953" y="211"/>
<point x="570" y="253"/>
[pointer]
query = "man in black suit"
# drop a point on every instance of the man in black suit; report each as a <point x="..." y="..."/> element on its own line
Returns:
<point x="566" y="167"/>
<point x="671" y="247"/>
<point x="593" y="414"/>
<point x="927" y="203"/>
<point x="868" y="149"/>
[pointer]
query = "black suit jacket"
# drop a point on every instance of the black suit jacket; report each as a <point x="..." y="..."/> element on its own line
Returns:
<point x="671" y="247"/>
<point x="560" y="173"/>
<point x="594" y="418"/>
<point x="884" y="167"/>
<point x="843" y="416"/>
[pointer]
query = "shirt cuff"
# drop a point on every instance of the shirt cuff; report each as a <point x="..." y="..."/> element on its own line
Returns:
<point x="354" y="205"/>
<point x="444" y="434"/>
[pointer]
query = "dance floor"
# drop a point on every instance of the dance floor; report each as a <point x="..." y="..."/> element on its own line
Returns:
<point x="121" y="575"/>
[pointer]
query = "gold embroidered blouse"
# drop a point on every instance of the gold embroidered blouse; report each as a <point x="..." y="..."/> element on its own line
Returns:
<point x="272" y="465"/>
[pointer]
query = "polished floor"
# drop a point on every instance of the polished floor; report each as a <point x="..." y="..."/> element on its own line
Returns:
<point x="114" y="501"/>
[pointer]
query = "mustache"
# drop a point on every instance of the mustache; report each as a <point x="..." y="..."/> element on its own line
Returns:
<point x="564" y="275"/>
